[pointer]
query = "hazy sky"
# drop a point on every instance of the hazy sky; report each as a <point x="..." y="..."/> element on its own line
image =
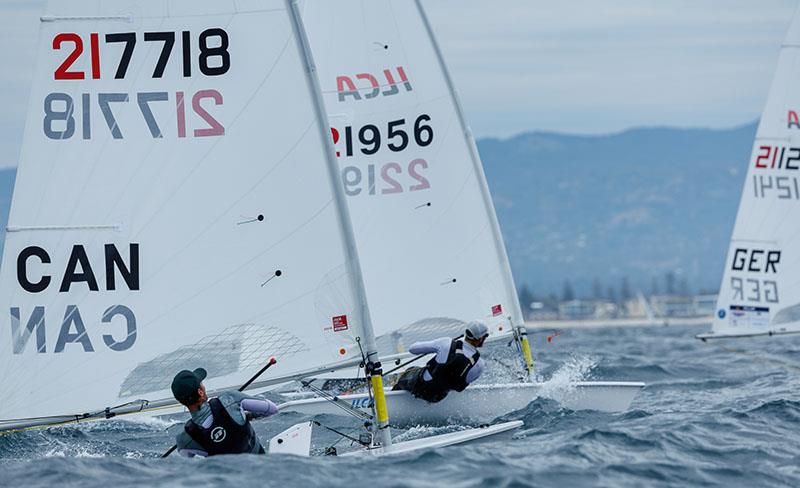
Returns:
<point x="585" y="66"/>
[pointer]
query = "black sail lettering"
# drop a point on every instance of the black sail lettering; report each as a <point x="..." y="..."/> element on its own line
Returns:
<point x="22" y="272"/>
<point x="739" y="261"/>
<point x="114" y="261"/>
<point x="71" y="275"/>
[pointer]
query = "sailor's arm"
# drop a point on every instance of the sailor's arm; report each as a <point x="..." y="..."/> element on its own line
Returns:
<point x="259" y="407"/>
<point x="475" y="372"/>
<point x="441" y="347"/>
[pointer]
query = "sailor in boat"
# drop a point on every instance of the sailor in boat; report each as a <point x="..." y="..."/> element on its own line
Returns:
<point x="218" y="425"/>
<point x="455" y="365"/>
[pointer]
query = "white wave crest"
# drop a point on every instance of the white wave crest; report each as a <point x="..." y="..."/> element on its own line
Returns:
<point x="158" y="422"/>
<point x="65" y="450"/>
<point x="561" y="385"/>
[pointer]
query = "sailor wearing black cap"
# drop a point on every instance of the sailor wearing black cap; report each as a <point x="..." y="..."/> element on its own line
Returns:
<point x="218" y="425"/>
<point x="454" y="366"/>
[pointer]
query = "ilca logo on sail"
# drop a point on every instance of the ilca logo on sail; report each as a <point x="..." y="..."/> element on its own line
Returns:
<point x="383" y="84"/>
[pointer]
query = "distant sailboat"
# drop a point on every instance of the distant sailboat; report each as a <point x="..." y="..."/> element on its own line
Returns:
<point x="178" y="204"/>
<point x="644" y="303"/>
<point x="760" y="290"/>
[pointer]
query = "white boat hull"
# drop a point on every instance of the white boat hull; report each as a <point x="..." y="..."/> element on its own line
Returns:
<point x="481" y="403"/>
<point x="469" y="436"/>
<point x="296" y="440"/>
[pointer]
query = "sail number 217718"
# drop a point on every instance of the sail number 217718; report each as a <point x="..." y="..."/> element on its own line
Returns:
<point x="111" y="58"/>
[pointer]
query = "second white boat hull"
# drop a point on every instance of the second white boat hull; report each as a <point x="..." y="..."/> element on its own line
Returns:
<point x="470" y="436"/>
<point x="481" y="403"/>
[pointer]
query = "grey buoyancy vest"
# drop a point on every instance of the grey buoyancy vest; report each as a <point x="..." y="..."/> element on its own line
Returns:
<point x="224" y="436"/>
<point x="450" y="375"/>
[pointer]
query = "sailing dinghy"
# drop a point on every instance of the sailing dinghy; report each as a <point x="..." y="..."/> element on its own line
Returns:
<point x="425" y="226"/>
<point x="760" y="290"/>
<point x="480" y="403"/>
<point x="178" y="204"/>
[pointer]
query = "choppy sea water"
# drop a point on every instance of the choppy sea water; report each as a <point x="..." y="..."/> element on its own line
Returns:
<point x="713" y="414"/>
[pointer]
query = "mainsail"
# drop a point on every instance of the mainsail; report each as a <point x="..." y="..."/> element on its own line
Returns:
<point x="760" y="291"/>
<point x="425" y="226"/>
<point x="173" y="208"/>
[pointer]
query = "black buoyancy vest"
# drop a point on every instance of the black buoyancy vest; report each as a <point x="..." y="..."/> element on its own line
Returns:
<point x="225" y="436"/>
<point x="451" y="375"/>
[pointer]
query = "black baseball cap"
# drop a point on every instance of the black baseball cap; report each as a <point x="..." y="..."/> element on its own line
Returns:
<point x="186" y="383"/>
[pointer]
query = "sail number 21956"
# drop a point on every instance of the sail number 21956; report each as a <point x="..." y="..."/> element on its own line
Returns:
<point x="398" y="175"/>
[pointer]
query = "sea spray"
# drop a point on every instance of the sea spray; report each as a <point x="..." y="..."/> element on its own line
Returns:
<point x="420" y="431"/>
<point x="561" y="385"/>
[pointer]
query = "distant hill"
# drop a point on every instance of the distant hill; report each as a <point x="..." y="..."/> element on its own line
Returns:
<point x="638" y="204"/>
<point x="635" y="204"/>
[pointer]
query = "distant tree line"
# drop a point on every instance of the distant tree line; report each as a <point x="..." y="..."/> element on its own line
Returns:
<point x="617" y="293"/>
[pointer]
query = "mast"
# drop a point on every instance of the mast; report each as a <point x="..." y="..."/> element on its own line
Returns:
<point x="372" y="362"/>
<point x="515" y="316"/>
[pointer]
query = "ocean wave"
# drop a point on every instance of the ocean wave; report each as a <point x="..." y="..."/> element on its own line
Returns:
<point x="707" y="417"/>
<point x="784" y="410"/>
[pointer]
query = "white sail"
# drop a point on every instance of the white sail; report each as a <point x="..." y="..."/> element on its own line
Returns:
<point x="172" y="209"/>
<point x="760" y="291"/>
<point x="426" y="231"/>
